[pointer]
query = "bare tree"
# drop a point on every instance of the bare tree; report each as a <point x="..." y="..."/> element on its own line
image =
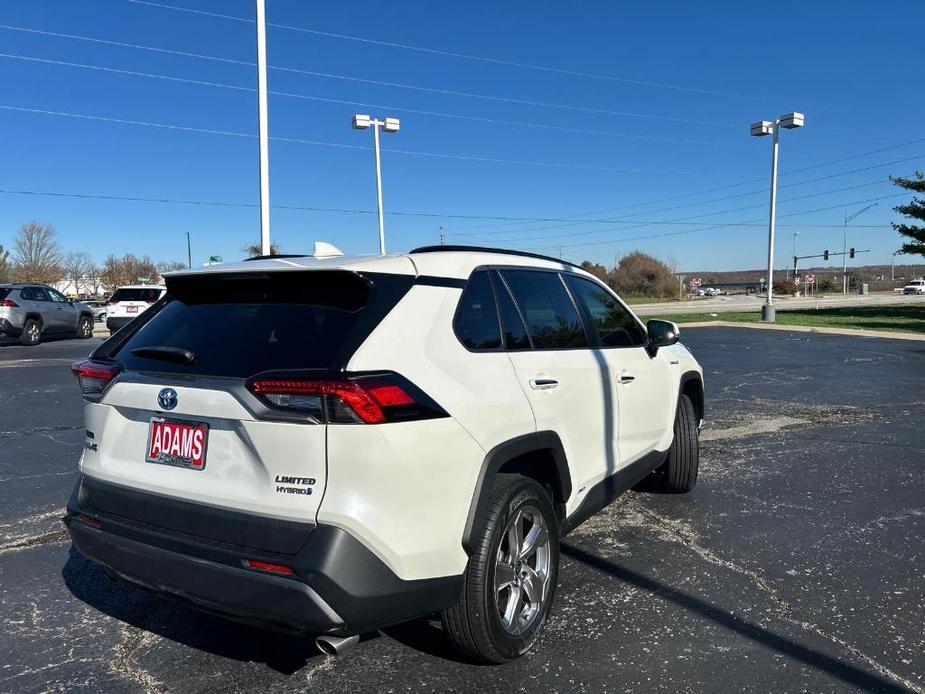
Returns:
<point x="118" y="272"/>
<point x="170" y="266"/>
<point x="5" y="271"/>
<point x="37" y="257"/>
<point x="255" y="249"/>
<point x="78" y="269"/>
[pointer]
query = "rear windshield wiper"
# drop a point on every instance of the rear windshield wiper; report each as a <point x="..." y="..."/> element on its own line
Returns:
<point x="177" y="355"/>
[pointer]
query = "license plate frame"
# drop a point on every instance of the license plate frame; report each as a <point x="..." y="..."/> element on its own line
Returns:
<point x="163" y="457"/>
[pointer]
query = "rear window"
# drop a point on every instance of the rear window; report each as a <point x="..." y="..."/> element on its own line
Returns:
<point x="149" y="295"/>
<point x="242" y="324"/>
<point x="551" y="316"/>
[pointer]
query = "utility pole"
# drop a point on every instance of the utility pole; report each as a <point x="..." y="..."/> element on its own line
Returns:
<point x="262" y="128"/>
<point x="844" y="274"/>
<point x="189" y="252"/>
<point x="442" y="236"/>
<point x="893" y="264"/>
<point x="680" y="287"/>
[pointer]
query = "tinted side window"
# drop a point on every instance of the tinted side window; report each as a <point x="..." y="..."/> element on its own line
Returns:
<point x="39" y="294"/>
<point x="512" y="325"/>
<point x="26" y="294"/>
<point x="615" y="326"/>
<point x="56" y="296"/>
<point x="476" y="322"/>
<point x="551" y="316"/>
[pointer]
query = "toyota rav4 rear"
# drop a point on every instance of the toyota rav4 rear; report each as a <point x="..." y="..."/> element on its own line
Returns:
<point x="333" y="445"/>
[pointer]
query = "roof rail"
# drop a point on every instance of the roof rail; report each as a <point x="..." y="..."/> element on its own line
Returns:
<point x="271" y="256"/>
<point x="484" y="249"/>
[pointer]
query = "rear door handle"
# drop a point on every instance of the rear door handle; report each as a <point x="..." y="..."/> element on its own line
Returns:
<point x="626" y="378"/>
<point x="543" y="383"/>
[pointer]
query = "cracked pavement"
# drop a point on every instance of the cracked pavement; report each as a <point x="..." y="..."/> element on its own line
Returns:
<point x="797" y="564"/>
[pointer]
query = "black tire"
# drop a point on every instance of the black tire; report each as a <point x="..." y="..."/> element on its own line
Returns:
<point x="475" y="625"/>
<point x="85" y="327"/>
<point x="678" y="474"/>
<point x="31" y="333"/>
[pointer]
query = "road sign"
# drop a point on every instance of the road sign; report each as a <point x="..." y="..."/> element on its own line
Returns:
<point x="796" y="281"/>
<point x="695" y="282"/>
<point x="810" y="278"/>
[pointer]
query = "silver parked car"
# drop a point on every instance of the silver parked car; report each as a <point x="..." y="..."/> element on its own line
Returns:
<point x="32" y="311"/>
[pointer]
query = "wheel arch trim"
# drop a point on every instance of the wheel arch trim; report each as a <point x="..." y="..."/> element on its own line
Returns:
<point x="686" y="378"/>
<point x="507" y="451"/>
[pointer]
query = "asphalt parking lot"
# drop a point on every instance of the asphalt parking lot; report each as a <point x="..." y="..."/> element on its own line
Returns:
<point x="797" y="564"/>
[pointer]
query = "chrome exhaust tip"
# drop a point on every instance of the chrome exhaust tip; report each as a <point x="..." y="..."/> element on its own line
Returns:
<point x="336" y="645"/>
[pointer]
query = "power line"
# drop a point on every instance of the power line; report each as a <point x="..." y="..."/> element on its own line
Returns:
<point x="709" y="214"/>
<point x="716" y="189"/>
<point x="343" y="210"/>
<point x="361" y="80"/>
<point x="321" y="143"/>
<point x="421" y="112"/>
<point x="451" y="54"/>
<point x="727" y="225"/>
<point x="685" y="220"/>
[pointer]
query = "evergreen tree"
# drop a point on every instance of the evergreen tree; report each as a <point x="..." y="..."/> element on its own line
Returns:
<point x="914" y="210"/>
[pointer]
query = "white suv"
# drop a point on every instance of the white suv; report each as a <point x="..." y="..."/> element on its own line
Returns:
<point x="127" y="303"/>
<point x="915" y="287"/>
<point x="333" y="445"/>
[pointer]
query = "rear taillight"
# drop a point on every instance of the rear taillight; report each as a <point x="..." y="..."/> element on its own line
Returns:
<point x="358" y="400"/>
<point x="9" y="304"/>
<point x="93" y="377"/>
<point x="268" y="566"/>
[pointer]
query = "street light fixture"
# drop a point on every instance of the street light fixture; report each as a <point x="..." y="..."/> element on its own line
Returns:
<point x="844" y="274"/>
<point x="760" y="129"/>
<point x="390" y="125"/>
<point x="893" y="264"/>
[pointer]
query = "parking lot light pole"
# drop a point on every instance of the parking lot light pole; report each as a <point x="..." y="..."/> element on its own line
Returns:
<point x="893" y="264"/>
<point x="760" y="129"/>
<point x="262" y="128"/>
<point x="390" y="125"/>
<point x="844" y="257"/>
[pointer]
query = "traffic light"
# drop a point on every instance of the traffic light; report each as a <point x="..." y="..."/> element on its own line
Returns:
<point x="850" y="252"/>
<point x="825" y="254"/>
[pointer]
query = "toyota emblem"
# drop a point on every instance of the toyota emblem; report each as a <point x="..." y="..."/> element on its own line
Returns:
<point x="167" y="399"/>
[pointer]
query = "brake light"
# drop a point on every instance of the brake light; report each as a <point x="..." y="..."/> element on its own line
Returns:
<point x="267" y="566"/>
<point x="93" y="377"/>
<point x="9" y="304"/>
<point x="363" y="399"/>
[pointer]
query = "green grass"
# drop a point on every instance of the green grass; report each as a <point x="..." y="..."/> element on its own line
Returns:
<point x="645" y="300"/>
<point x="908" y="319"/>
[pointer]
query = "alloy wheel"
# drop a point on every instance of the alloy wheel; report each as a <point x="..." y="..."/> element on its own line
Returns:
<point x="522" y="570"/>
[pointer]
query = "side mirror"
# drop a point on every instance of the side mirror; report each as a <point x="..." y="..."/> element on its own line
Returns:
<point x="663" y="333"/>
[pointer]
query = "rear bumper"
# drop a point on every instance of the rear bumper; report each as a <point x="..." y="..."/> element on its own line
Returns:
<point x="339" y="585"/>
<point x="7" y="329"/>
<point x="116" y="322"/>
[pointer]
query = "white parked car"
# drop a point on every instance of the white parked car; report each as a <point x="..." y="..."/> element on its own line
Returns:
<point x="127" y="303"/>
<point x="333" y="445"/>
<point x="915" y="287"/>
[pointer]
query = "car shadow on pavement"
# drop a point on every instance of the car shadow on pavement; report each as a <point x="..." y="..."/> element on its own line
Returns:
<point x="169" y="619"/>
<point x="849" y="674"/>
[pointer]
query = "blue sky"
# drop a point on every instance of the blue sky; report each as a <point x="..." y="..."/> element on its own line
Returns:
<point x="648" y="133"/>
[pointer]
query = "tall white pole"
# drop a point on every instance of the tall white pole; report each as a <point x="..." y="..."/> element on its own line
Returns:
<point x="767" y="312"/>
<point x="262" y="128"/>
<point x="844" y="257"/>
<point x="379" y="188"/>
